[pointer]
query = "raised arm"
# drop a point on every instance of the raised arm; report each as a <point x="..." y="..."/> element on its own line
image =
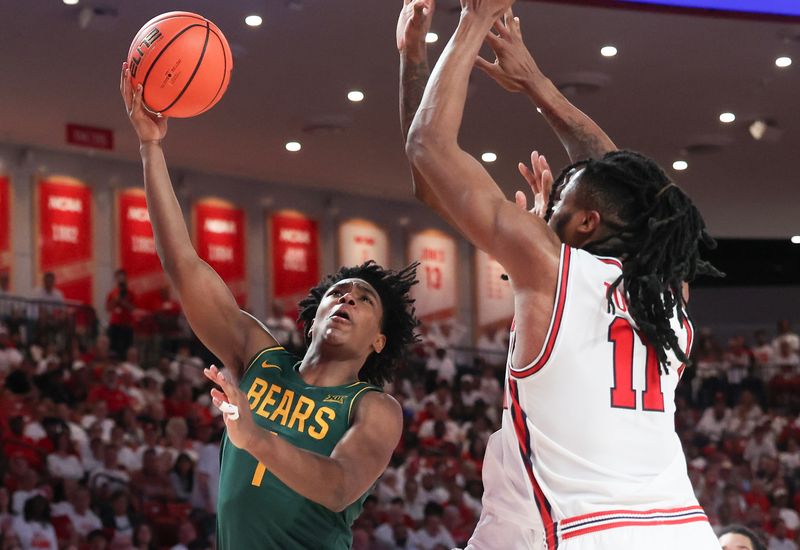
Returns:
<point x="231" y="334"/>
<point x="515" y="70"/>
<point x="518" y="239"/>
<point x="412" y="27"/>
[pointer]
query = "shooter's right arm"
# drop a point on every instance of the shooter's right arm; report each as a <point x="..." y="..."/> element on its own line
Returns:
<point x="517" y="71"/>
<point x="231" y="334"/>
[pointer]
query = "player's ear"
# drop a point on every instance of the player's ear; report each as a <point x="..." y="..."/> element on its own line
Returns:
<point x="379" y="343"/>
<point x="589" y="222"/>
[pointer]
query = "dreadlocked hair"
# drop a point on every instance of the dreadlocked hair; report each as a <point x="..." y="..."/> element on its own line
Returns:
<point x="654" y="229"/>
<point x="398" y="322"/>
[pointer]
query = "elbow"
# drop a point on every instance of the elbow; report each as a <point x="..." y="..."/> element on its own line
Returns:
<point x="421" y="147"/>
<point x="175" y="265"/>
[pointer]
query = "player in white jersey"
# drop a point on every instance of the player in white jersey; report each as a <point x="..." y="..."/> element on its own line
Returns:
<point x="587" y="457"/>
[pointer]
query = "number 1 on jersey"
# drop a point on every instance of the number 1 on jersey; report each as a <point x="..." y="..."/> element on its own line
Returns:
<point x="258" y="475"/>
<point x="623" y="396"/>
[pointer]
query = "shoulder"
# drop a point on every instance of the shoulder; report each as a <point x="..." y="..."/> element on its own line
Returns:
<point x="379" y="405"/>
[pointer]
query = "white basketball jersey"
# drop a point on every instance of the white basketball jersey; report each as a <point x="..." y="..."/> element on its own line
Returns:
<point x="589" y="423"/>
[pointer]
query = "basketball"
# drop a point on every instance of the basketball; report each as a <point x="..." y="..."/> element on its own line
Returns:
<point x="183" y="62"/>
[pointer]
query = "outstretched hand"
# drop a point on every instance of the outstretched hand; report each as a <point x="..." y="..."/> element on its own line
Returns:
<point x="540" y="180"/>
<point x="242" y="431"/>
<point x="513" y="64"/>
<point x="413" y="26"/>
<point x="149" y="127"/>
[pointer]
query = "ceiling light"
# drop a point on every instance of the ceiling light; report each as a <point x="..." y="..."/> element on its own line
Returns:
<point x="253" y="20"/>
<point x="783" y="62"/>
<point x="727" y="118"/>
<point x="680" y="165"/>
<point x="293" y="146"/>
<point x="608" y="51"/>
<point x="71" y="2"/>
<point x="355" y="96"/>
<point x="796" y="239"/>
<point x="431" y="37"/>
<point x="488" y="157"/>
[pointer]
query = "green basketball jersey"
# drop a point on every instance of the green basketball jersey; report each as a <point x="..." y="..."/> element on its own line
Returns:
<point x="255" y="510"/>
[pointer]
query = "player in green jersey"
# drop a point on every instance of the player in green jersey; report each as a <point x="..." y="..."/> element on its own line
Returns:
<point x="313" y="433"/>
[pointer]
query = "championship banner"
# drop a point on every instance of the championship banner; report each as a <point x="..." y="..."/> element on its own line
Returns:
<point x="63" y="223"/>
<point x="435" y="294"/>
<point x="136" y="249"/>
<point x="294" y="242"/>
<point x="361" y="240"/>
<point x="5" y="226"/>
<point x="494" y="297"/>
<point x="220" y="241"/>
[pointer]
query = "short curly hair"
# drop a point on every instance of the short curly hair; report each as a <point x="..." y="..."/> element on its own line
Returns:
<point x="398" y="322"/>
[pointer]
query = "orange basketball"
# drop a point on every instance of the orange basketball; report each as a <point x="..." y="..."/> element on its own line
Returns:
<point x="183" y="63"/>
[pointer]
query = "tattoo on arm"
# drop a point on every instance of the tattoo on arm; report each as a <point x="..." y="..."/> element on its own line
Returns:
<point x="413" y="79"/>
<point x="581" y="136"/>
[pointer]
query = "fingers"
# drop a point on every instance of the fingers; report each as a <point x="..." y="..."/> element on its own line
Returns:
<point x="501" y="29"/>
<point x="217" y="395"/>
<point x="529" y="177"/>
<point x="125" y="87"/>
<point x="481" y="63"/>
<point x="521" y="200"/>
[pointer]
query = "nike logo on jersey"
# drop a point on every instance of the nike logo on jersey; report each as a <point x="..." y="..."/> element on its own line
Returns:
<point x="266" y="365"/>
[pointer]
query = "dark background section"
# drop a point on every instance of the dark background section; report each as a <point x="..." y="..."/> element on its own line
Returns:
<point x="754" y="262"/>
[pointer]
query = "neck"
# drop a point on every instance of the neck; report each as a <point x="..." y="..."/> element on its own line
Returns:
<point x="323" y="366"/>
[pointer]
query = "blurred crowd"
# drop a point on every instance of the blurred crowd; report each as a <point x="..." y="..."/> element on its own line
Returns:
<point x="112" y="448"/>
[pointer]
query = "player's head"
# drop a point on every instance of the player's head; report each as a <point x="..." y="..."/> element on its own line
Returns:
<point x="739" y="537"/>
<point x="624" y="205"/>
<point x="381" y="319"/>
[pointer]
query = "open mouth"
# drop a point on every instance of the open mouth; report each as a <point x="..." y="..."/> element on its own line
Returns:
<point x="341" y="314"/>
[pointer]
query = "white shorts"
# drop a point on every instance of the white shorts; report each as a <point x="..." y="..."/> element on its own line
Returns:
<point x="691" y="536"/>
<point x="494" y="533"/>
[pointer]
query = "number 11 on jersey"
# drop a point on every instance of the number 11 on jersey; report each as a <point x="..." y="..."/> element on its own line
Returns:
<point x="623" y="396"/>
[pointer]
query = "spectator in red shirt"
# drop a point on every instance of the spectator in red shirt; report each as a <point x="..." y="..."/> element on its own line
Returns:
<point x="120" y="304"/>
<point x="109" y="391"/>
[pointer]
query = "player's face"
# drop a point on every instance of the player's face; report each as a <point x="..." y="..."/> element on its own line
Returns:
<point x="735" y="541"/>
<point x="350" y="314"/>
<point x="564" y="209"/>
<point x="575" y="225"/>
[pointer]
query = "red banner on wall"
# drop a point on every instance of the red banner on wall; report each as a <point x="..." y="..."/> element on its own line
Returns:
<point x="5" y="226"/>
<point x="295" y="257"/>
<point x="64" y="236"/>
<point x="436" y="294"/>
<point x="362" y="240"/>
<point x="219" y="229"/>
<point x="136" y="249"/>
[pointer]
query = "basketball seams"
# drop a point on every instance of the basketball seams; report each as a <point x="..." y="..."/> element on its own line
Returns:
<point x="155" y="61"/>
<point x="194" y="72"/>
<point x="166" y="99"/>
<point x="158" y="19"/>
<point x="224" y="71"/>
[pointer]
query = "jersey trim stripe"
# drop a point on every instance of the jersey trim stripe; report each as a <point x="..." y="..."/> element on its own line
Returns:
<point x="689" y="335"/>
<point x="259" y="354"/>
<point x="354" y="399"/>
<point x="524" y="440"/>
<point x="614" y="519"/>
<point x="610" y="261"/>
<point x="555" y="321"/>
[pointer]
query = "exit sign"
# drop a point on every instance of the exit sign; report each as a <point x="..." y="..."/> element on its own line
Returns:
<point x="90" y="136"/>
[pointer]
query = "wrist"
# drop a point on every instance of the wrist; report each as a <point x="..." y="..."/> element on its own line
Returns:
<point x="415" y="53"/>
<point x="149" y="143"/>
